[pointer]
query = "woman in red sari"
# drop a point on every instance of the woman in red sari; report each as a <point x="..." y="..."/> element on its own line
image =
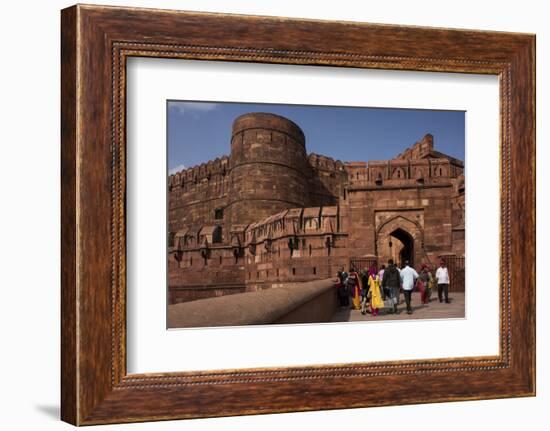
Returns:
<point x="423" y="283"/>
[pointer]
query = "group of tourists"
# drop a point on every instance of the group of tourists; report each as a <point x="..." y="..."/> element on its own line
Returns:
<point x="370" y="290"/>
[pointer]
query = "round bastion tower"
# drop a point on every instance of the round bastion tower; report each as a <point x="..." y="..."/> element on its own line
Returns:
<point x="269" y="167"/>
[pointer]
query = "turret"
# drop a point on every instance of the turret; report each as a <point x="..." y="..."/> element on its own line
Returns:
<point x="269" y="167"/>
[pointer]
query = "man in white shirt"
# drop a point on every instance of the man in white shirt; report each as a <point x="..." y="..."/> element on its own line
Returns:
<point x="442" y="277"/>
<point x="408" y="278"/>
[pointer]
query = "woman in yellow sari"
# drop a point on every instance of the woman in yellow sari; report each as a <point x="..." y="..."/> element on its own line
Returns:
<point x="376" y="301"/>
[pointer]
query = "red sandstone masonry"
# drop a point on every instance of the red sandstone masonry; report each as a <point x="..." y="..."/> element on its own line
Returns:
<point x="269" y="213"/>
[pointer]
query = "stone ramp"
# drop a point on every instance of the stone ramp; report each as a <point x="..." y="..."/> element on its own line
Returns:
<point x="307" y="302"/>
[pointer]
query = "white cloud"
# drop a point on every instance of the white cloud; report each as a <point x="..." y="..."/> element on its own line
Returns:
<point x="176" y="169"/>
<point x="184" y="108"/>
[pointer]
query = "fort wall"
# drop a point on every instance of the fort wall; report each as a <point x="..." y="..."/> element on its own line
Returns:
<point x="196" y="193"/>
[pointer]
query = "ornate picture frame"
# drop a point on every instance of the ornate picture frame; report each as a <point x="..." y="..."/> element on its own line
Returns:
<point x="96" y="41"/>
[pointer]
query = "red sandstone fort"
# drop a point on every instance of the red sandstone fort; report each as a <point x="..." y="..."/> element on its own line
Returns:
<point x="269" y="213"/>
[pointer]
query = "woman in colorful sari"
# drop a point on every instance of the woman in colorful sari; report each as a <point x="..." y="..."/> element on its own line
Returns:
<point x="376" y="301"/>
<point x="430" y="286"/>
<point x="354" y="283"/>
<point x="424" y="283"/>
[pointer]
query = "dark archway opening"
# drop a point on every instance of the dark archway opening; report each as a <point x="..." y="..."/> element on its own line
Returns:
<point x="217" y="235"/>
<point x="404" y="250"/>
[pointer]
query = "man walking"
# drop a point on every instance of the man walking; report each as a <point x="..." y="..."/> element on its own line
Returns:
<point x="408" y="277"/>
<point x="442" y="276"/>
<point x="391" y="281"/>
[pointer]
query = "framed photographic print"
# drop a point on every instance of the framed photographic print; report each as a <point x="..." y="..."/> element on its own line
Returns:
<point x="265" y="214"/>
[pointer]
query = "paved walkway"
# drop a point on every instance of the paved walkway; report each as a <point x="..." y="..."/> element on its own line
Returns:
<point x="433" y="310"/>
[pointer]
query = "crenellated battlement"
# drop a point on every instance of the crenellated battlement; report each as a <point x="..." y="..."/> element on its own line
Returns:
<point x="294" y="222"/>
<point x="194" y="174"/>
<point x="399" y="170"/>
<point x="420" y="149"/>
<point x="320" y="162"/>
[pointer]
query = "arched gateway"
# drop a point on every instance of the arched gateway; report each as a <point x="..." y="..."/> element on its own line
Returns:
<point x="400" y="239"/>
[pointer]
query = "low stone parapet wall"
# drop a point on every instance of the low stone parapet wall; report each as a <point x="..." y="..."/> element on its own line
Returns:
<point x="177" y="294"/>
<point x="308" y="302"/>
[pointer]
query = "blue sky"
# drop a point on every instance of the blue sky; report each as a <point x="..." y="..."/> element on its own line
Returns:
<point x="201" y="131"/>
